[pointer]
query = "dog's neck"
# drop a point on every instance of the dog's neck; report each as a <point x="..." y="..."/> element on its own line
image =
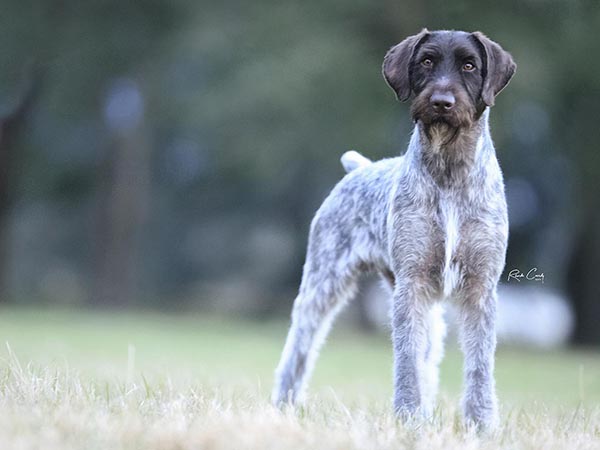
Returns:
<point x="450" y="155"/>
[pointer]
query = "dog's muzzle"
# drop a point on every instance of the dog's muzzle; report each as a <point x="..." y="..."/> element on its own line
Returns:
<point x="442" y="107"/>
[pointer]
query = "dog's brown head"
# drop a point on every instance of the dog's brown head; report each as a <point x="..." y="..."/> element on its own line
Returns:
<point x="453" y="75"/>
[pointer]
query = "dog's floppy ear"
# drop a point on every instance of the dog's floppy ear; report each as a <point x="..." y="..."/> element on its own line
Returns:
<point x="499" y="67"/>
<point x="396" y="64"/>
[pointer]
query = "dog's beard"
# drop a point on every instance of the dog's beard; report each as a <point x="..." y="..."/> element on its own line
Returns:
<point x="442" y="127"/>
<point x="441" y="132"/>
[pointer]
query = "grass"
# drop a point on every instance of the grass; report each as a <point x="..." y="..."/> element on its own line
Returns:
<point x="86" y="380"/>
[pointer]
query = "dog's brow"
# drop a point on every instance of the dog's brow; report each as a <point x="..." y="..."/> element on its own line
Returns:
<point x="465" y="53"/>
<point x="430" y="49"/>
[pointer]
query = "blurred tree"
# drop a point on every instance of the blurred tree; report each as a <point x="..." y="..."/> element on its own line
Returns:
<point x="123" y="185"/>
<point x="11" y="124"/>
<point x="244" y="109"/>
<point x="576" y="96"/>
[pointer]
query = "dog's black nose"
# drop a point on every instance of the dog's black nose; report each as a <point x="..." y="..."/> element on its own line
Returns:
<point x="442" y="101"/>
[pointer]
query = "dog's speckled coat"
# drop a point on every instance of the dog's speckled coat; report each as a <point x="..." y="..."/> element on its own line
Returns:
<point x="433" y="222"/>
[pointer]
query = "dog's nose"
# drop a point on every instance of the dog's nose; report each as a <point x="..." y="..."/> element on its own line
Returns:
<point x="442" y="101"/>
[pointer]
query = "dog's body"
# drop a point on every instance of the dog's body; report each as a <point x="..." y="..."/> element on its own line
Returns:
<point x="433" y="222"/>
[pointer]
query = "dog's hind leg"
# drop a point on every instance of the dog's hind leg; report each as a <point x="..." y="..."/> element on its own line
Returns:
<point x="328" y="281"/>
<point x="436" y="332"/>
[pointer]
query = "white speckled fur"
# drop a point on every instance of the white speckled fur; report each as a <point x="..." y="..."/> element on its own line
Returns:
<point x="451" y="231"/>
<point x="381" y="217"/>
<point x="434" y="224"/>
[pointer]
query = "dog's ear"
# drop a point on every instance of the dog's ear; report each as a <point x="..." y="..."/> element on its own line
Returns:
<point x="396" y="64"/>
<point x="498" y="70"/>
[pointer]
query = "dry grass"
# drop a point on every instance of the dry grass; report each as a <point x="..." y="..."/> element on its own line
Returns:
<point x="56" y="408"/>
<point x="193" y="383"/>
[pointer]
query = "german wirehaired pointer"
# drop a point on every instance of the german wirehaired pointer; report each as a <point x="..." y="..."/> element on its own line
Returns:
<point x="432" y="222"/>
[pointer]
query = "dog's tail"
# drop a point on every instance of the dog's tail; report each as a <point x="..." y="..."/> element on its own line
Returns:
<point x="352" y="160"/>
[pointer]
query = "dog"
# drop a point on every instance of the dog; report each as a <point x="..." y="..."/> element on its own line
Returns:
<point x="433" y="222"/>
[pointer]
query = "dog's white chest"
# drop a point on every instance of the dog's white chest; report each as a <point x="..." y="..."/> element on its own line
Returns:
<point x="451" y="228"/>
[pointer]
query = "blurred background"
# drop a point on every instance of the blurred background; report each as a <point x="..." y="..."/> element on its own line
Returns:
<point x="169" y="156"/>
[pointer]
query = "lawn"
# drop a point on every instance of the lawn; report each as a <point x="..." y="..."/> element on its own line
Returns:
<point x="138" y="380"/>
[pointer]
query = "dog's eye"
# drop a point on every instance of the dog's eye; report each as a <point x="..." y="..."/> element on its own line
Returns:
<point x="468" y="67"/>
<point x="427" y="62"/>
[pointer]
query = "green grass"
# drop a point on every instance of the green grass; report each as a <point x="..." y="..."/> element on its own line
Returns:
<point x="131" y="380"/>
<point x="238" y="350"/>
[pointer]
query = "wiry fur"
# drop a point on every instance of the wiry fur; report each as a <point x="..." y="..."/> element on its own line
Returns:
<point x="433" y="223"/>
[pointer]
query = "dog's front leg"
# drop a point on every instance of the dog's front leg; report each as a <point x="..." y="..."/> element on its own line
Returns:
<point x="478" y="340"/>
<point x="409" y="340"/>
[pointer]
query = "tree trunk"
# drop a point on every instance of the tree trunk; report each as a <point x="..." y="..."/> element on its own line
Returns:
<point x="583" y="280"/>
<point x="123" y="184"/>
<point x="11" y="125"/>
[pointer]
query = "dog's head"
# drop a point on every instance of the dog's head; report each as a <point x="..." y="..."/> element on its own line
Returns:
<point x="453" y="75"/>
